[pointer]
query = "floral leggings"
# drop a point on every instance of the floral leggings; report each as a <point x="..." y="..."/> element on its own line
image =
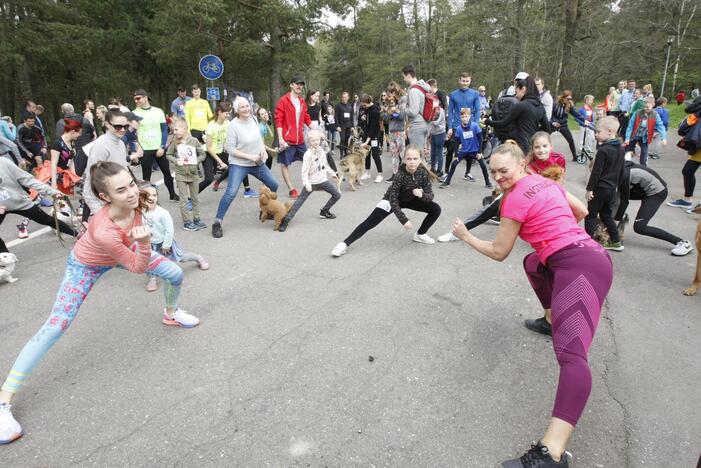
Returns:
<point x="396" y="149"/>
<point x="77" y="283"/>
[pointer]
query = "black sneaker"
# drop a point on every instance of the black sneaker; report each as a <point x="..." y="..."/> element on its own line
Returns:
<point x="391" y="178"/>
<point x="539" y="326"/>
<point x="537" y="457"/>
<point x="175" y="198"/>
<point x="217" y="230"/>
<point x="325" y="214"/>
<point x="283" y="224"/>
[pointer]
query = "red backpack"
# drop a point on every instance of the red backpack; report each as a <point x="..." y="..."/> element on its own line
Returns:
<point x="432" y="104"/>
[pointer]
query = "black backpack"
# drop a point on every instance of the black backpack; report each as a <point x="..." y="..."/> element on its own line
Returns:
<point x="500" y="110"/>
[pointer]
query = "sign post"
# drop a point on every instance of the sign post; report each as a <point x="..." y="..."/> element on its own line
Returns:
<point x="211" y="68"/>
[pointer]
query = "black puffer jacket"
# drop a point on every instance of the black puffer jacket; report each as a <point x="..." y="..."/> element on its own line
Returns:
<point x="527" y="116"/>
<point x="400" y="192"/>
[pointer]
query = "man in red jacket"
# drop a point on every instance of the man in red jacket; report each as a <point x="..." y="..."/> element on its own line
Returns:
<point x="290" y="118"/>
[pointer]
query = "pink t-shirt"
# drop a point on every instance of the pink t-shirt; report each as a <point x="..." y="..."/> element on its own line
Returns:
<point x="547" y="221"/>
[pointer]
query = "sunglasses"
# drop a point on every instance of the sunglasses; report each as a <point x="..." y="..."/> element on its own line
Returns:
<point x="119" y="127"/>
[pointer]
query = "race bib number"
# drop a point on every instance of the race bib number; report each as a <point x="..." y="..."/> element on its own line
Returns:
<point x="4" y="195"/>
<point x="373" y="143"/>
<point x="384" y="205"/>
<point x="467" y="135"/>
<point x="187" y="154"/>
<point x="346" y="115"/>
<point x="200" y="114"/>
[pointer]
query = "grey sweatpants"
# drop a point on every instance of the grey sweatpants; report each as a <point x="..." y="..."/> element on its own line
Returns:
<point x="418" y="134"/>
<point x="326" y="187"/>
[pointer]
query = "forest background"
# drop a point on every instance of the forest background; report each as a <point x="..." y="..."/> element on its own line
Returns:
<point x="56" y="51"/>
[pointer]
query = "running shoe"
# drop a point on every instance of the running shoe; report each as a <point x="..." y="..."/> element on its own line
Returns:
<point x="469" y="177"/>
<point x="46" y="202"/>
<point x="22" y="231"/>
<point x="250" y="193"/>
<point x="679" y="203"/>
<point x="294" y="194"/>
<point x="539" y="325"/>
<point x="175" y="198"/>
<point x="180" y="319"/>
<point x="447" y="237"/>
<point x="217" y="230"/>
<point x="190" y="226"/>
<point x="615" y="246"/>
<point x="365" y="176"/>
<point x="379" y="178"/>
<point x="489" y="186"/>
<point x="423" y="239"/>
<point x="654" y="156"/>
<point x="390" y="180"/>
<point x="152" y="284"/>
<point x="444" y="185"/>
<point x="339" y="250"/>
<point x="199" y="224"/>
<point x="538" y="457"/>
<point x="682" y="248"/>
<point x="694" y="209"/>
<point x="326" y="214"/>
<point x="283" y="224"/>
<point x="10" y="430"/>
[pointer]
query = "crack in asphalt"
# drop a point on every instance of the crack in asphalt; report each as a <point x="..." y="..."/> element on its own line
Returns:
<point x="609" y="390"/>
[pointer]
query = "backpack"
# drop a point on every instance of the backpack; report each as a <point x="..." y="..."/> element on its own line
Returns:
<point x="432" y="105"/>
<point x="500" y="110"/>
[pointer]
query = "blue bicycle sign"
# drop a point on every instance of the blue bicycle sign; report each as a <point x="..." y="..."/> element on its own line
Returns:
<point x="211" y="67"/>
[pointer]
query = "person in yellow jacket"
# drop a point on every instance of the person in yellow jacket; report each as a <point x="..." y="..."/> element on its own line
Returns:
<point x="197" y="113"/>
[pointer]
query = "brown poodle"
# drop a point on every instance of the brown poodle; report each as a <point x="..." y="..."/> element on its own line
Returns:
<point x="272" y="208"/>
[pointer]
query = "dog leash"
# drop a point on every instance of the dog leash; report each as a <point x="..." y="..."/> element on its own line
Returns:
<point x="56" y="209"/>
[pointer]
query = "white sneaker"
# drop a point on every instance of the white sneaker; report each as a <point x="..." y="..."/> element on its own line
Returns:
<point x="10" y="430"/>
<point x="682" y="248"/>
<point x="694" y="208"/>
<point x="180" y="319"/>
<point x="468" y="177"/>
<point x="423" y="239"/>
<point x="447" y="237"/>
<point x="365" y="176"/>
<point x="339" y="250"/>
<point x="379" y="178"/>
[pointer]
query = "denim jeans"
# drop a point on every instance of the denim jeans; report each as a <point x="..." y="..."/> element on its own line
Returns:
<point x="643" y="148"/>
<point x="437" y="142"/>
<point x="236" y="175"/>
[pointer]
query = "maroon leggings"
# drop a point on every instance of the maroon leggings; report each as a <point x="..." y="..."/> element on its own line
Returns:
<point x="574" y="284"/>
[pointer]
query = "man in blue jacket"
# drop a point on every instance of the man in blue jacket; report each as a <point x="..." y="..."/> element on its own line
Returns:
<point x="462" y="97"/>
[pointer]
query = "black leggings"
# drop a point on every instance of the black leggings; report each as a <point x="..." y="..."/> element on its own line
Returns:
<point x="146" y="169"/>
<point x="451" y="148"/>
<point x="648" y="208"/>
<point x="375" y="152"/>
<point x="378" y="215"/>
<point x="343" y="143"/>
<point x="209" y="166"/>
<point x="565" y="132"/>
<point x="689" y="171"/>
<point x="38" y="215"/>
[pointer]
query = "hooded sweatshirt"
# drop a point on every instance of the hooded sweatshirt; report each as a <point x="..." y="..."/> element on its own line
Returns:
<point x="415" y="104"/>
<point x="13" y="182"/>
<point x="547" y="100"/>
<point x="527" y="116"/>
<point x="460" y="99"/>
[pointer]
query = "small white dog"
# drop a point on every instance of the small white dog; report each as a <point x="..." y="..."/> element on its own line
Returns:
<point x="7" y="266"/>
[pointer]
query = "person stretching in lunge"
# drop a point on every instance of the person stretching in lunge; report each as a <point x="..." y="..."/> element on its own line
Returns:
<point x="570" y="273"/>
<point x="411" y="188"/>
<point x="115" y="237"/>
<point x="315" y="169"/>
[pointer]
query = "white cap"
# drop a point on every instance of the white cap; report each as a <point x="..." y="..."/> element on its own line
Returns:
<point x="511" y="91"/>
<point x="521" y="76"/>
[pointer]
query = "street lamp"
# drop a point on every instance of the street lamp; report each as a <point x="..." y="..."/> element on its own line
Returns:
<point x="670" y="41"/>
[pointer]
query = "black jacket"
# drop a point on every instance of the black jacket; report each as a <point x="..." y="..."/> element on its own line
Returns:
<point x="341" y="121"/>
<point x="607" y="171"/>
<point x="527" y="116"/>
<point x="400" y="192"/>
<point x="560" y="116"/>
<point x="372" y="123"/>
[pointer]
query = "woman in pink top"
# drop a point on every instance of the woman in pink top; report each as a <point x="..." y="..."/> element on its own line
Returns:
<point x="569" y="272"/>
<point x="115" y="237"/>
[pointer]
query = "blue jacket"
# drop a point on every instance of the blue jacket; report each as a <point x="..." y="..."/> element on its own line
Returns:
<point x="469" y="138"/>
<point x="459" y="99"/>
<point x="664" y="116"/>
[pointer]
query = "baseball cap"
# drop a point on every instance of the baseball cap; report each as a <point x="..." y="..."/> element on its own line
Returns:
<point x="521" y="76"/>
<point x="297" y="78"/>
<point x="511" y="91"/>
<point x="132" y="116"/>
<point x="140" y="92"/>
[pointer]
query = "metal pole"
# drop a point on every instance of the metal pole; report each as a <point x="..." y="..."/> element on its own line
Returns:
<point x="213" y="103"/>
<point x="666" y="65"/>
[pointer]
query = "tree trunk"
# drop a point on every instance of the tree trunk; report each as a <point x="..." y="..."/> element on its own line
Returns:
<point x="680" y="33"/>
<point x="566" y="72"/>
<point x="275" y="64"/>
<point x="520" y="42"/>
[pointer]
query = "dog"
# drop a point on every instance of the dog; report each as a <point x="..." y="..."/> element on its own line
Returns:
<point x="352" y="166"/>
<point x="7" y="266"/>
<point x="696" y="283"/>
<point x="272" y="208"/>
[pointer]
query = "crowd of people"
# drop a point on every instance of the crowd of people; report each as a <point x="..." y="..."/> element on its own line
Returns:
<point x="427" y="132"/>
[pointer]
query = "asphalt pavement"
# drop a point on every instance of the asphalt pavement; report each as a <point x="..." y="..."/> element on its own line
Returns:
<point x="396" y="354"/>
